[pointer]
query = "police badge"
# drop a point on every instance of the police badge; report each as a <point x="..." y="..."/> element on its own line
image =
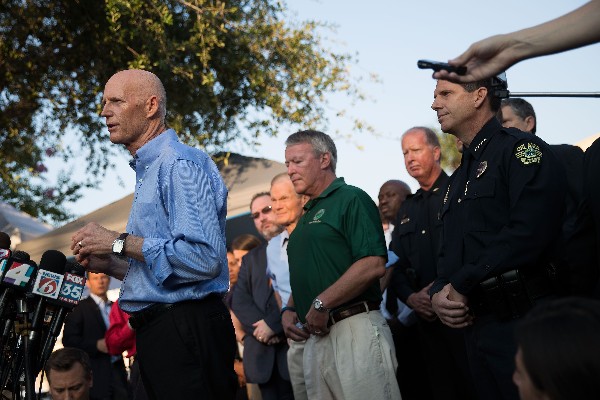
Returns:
<point x="481" y="168"/>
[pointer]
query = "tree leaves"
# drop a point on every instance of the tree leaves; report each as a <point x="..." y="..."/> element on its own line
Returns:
<point x="233" y="70"/>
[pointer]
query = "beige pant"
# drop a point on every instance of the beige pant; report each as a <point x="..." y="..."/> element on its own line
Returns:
<point x="355" y="361"/>
<point x="295" y="361"/>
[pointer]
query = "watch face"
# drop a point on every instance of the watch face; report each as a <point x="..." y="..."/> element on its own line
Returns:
<point x="118" y="246"/>
<point x="318" y="304"/>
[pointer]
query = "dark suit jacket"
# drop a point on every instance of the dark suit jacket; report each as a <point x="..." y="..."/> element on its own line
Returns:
<point x="253" y="300"/>
<point x="84" y="326"/>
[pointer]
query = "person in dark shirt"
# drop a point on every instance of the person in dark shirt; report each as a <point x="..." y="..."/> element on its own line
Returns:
<point x="502" y="217"/>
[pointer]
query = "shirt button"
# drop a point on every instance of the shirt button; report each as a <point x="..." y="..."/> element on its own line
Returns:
<point x="141" y="179"/>
<point x="423" y="231"/>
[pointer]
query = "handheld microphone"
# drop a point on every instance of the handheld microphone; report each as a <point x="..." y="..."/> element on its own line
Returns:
<point x="47" y="285"/>
<point x="69" y="296"/>
<point x="17" y="273"/>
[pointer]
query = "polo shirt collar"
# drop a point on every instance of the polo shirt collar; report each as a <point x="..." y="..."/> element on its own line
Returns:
<point x="335" y="185"/>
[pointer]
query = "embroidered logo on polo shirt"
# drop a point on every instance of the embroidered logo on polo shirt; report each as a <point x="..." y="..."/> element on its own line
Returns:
<point x="529" y="153"/>
<point x="319" y="214"/>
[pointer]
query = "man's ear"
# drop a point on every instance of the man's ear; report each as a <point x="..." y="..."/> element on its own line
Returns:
<point x="152" y="106"/>
<point x="325" y="160"/>
<point x="481" y="94"/>
<point x="529" y="123"/>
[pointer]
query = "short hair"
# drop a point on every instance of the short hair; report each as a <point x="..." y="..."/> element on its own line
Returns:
<point x="5" y="241"/>
<point x="320" y="142"/>
<point x="431" y="137"/>
<point x="245" y="241"/>
<point x="522" y="108"/>
<point x="64" y="359"/>
<point x="257" y="195"/>
<point x="560" y="346"/>
<point x="488" y="84"/>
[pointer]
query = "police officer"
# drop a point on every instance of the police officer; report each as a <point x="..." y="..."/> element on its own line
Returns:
<point x="415" y="240"/>
<point x="501" y="219"/>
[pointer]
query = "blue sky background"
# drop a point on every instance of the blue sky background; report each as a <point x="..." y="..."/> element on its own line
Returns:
<point x="388" y="37"/>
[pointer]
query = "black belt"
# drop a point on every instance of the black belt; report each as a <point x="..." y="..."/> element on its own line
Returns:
<point x="340" y="314"/>
<point x="140" y="318"/>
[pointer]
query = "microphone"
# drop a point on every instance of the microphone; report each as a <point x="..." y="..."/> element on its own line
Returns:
<point x="48" y="283"/>
<point x="69" y="296"/>
<point x="17" y="272"/>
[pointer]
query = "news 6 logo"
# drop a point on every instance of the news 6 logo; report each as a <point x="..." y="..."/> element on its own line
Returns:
<point x="48" y="284"/>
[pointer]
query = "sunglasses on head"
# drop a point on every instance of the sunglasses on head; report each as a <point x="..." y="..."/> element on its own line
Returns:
<point x="265" y="210"/>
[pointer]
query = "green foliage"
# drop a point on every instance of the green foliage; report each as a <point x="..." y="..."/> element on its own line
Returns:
<point x="450" y="155"/>
<point x="233" y="70"/>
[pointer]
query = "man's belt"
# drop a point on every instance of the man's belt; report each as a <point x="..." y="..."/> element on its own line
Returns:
<point x="148" y="314"/>
<point x="342" y="313"/>
<point x="513" y="293"/>
<point x="140" y="318"/>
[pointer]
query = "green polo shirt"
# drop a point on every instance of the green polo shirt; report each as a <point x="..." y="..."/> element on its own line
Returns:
<point x="338" y="228"/>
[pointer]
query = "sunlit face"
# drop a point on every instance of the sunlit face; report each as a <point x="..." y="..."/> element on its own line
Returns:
<point x="454" y="106"/>
<point x="124" y="111"/>
<point x="287" y="205"/>
<point x="304" y="168"/>
<point x="512" y="120"/>
<point x="527" y="390"/>
<point x="234" y="268"/>
<point x="98" y="283"/>
<point x="238" y="254"/>
<point x="390" y="199"/>
<point x="70" y="385"/>
<point x="264" y="218"/>
<point x="420" y="158"/>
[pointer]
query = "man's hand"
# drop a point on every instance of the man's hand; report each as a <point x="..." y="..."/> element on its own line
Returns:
<point x="101" y="346"/>
<point x="289" y="319"/>
<point x="316" y="322"/>
<point x="421" y="303"/>
<point x="451" y="307"/>
<point x="92" y="239"/>
<point x="262" y="332"/>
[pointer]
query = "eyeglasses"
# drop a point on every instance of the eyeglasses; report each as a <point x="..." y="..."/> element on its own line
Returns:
<point x="265" y="210"/>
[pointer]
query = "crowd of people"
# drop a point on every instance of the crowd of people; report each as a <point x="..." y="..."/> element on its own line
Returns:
<point x="489" y="275"/>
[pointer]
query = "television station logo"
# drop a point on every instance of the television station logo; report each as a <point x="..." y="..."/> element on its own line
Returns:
<point x="48" y="284"/>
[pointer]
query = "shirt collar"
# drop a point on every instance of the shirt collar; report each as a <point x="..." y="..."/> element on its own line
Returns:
<point x="148" y="153"/>
<point x="98" y="300"/>
<point x="437" y="186"/>
<point x="483" y="138"/>
<point x="336" y="184"/>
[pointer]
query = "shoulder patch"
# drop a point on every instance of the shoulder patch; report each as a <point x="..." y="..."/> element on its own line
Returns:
<point x="529" y="153"/>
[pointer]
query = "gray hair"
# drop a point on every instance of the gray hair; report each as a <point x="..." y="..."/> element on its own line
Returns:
<point x="320" y="142"/>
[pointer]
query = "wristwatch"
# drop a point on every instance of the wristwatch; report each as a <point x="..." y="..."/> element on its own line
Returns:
<point x="118" y="245"/>
<point x="318" y="305"/>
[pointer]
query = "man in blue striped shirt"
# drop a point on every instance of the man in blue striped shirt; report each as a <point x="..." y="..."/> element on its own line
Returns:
<point x="172" y="259"/>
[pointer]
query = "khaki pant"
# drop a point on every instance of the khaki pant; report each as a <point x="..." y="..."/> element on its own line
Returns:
<point x="295" y="361"/>
<point x="355" y="361"/>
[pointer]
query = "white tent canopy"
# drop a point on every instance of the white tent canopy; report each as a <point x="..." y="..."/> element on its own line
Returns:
<point x="19" y="225"/>
<point x="244" y="176"/>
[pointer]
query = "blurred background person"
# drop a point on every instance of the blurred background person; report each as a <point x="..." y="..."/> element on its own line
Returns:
<point x="558" y="355"/>
<point x="69" y="374"/>
<point x="85" y="328"/>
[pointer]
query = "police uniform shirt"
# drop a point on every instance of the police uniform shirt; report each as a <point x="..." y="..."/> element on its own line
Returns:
<point x="502" y="210"/>
<point x="416" y="239"/>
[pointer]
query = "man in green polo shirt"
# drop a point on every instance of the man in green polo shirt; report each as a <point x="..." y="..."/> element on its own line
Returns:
<point x="336" y="255"/>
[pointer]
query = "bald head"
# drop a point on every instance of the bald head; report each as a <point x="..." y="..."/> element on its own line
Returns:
<point x="134" y="105"/>
<point x="144" y="85"/>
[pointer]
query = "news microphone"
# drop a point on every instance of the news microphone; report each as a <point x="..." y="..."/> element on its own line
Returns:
<point x="47" y="285"/>
<point x="17" y="272"/>
<point x="69" y="296"/>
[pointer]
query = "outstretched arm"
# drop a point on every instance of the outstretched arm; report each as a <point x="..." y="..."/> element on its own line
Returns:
<point x="495" y="54"/>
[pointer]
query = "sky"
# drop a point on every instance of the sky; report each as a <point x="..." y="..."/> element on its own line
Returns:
<point x="387" y="38"/>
